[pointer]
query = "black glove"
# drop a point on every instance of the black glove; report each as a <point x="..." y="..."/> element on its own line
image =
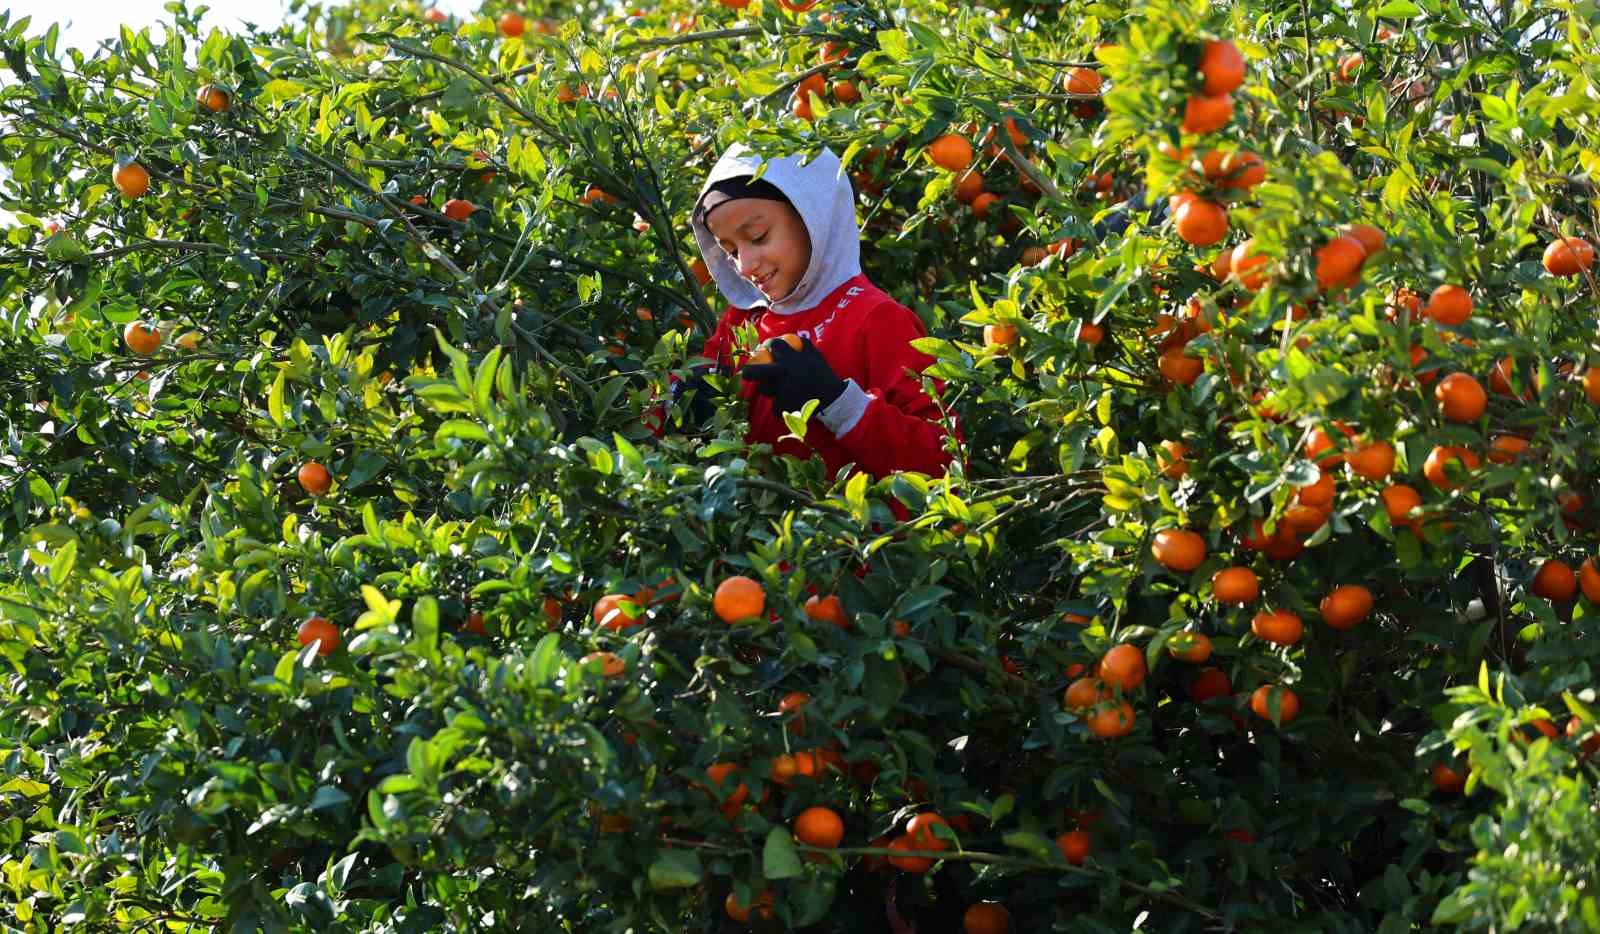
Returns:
<point x="795" y="377"/>
<point x="702" y="399"/>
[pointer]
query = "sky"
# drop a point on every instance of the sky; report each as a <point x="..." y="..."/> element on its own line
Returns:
<point x="86" y="22"/>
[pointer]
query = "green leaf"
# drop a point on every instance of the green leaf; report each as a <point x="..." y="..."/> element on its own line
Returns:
<point x="279" y="90"/>
<point x="1397" y="9"/>
<point x="483" y="381"/>
<point x="926" y="37"/>
<point x="1034" y="844"/>
<point x="546" y="660"/>
<point x="66" y="558"/>
<point x="1396" y="190"/>
<point x="778" y="857"/>
<point x="675" y="869"/>
<point x="287" y="668"/>
<point x="892" y="42"/>
<point x="275" y="401"/>
<point x="366" y="466"/>
<point x="62" y="247"/>
<point x="462" y="429"/>
<point x="425" y="627"/>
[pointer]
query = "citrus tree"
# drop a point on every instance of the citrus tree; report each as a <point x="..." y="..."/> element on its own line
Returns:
<point x="358" y="575"/>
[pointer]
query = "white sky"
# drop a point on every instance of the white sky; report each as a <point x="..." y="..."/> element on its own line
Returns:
<point x="85" y="22"/>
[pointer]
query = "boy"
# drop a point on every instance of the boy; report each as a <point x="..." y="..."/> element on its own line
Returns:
<point x="785" y="250"/>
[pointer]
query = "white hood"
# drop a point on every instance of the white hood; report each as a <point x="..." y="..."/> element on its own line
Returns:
<point x="821" y="193"/>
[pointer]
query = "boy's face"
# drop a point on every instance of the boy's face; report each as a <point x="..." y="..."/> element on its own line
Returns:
<point x="767" y="240"/>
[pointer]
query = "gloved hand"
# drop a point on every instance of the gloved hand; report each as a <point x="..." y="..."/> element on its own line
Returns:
<point x="795" y="377"/>
<point x="702" y="399"/>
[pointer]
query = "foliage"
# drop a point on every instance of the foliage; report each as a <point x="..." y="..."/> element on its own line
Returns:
<point x="171" y="756"/>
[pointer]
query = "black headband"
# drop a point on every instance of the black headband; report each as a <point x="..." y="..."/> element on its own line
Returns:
<point x="734" y="189"/>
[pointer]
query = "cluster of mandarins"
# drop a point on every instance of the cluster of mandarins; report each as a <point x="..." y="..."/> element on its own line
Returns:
<point x="739" y="599"/>
<point x="832" y="58"/>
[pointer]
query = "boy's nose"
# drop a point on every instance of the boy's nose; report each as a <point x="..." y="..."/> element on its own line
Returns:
<point x="747" y="264"/>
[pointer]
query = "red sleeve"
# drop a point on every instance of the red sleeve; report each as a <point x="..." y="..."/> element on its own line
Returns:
<point x="902" y="428"/>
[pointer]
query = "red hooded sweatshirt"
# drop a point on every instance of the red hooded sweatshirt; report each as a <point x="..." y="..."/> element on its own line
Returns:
<point x="883" y="421"/>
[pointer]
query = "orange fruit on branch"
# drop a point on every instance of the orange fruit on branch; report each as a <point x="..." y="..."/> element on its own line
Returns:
<point x="912" y="864"/>
<point x="1075" y="846"/>
<point x="1505" y="449"/>
<point x="1568" y="256"/>
<point x="1235" y="585"/>
<point x="1123" y="666"/>
<point x="131" y="179"/>
<point x="761" y="908"/>
<point x="314" y="478"/>
<point x="829" y="609"/>
<point x="986" y="918"/>
<point x="1170" y="457"/>
<point x="1288" y="703"/>
<point x="1449" y="305"/>
<point x="1372" y="461"/>
<point x="920" y="831"/>
<point x="1082" y="80"/>
<point x="1435" y="467"/>
<point x="610" y="612"/>
<point x="1320" y="494"/>
<point x="819" y="827"/>
<point x="1221" y="67"/>
<point x="1191" y="647"/>
<point x="1179" y="367"/>
<point x="1248" y="266"/>
<point x="317" y="629"/>
<point x="1461" y="398"/>
<point x="1589" y="579"/>
<point x="982" y="204"/>
<point x="1555" y="581"/>
<point x="1178" y="549"/>
<point x="1207" y="114"/>
<point x="459" y="209"/>
<point x="141" y="338"/>
<point x="1085" y="693"/>
<point x="1210" y="683"/>
<point x="969" y="185"/>
<point x="739" y="598"/>
<point x="1111" y="721"/>
<point x="1407" y="301"/>
<point x="1446" y="779"/>
<point x="1338" y="262"/>
<point x="212" y="98"/>
<point x="1003" y="336"/>
<point x="951" y="152"/>
<point x="1398" y="501"/>
<point x="1238" y="170"/>
<point x="1279" y="627"/>
<point x="1201" y="223"/>
<point x="1346" y="606"/>
<point x="611" y="664"/>
<point x="794" y="703"/>
<point x="1371" y="238"/>
<point x="732" y="800"/>
<point x="512" y="25"/>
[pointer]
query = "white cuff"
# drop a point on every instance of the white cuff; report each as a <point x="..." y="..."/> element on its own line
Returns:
<point x="842" y="416"/>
